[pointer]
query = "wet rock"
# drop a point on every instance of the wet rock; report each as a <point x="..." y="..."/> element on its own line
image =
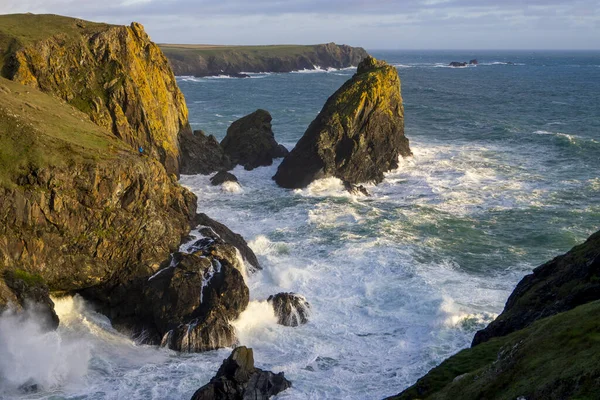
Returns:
<point x="250" y="141"/>
<point x="221" y="177"/>
<point x="357" y="136"/>
<point x="291" y="309"/>
<point x="473" y="62"/>
<point x="239" y="379"/>
<point x="201" y="154"/>
<point x="356" y="189"/>
<point x="457" y="64"/>
<point x="221" y="231"/>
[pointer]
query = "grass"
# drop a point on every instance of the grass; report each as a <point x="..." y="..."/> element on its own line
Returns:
<point x="187" y="50"/>
<point x="38" y="130"/>
<point x="554" y="358"/>
<point x="29" y="279"/>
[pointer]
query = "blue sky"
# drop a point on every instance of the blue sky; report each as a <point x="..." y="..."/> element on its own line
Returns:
<point x="374" y="24"/>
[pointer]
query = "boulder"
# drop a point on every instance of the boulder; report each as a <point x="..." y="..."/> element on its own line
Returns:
<point x="201" y="154"/>
<point x="250" y="141"/>
<point x="218" y="230"/>
<point x="290" y="309"/>
<point x="221" y="177"/>
<point x="239" y="379"/>
<point x="562" y="284"/>
<point x="357" y="136"/>
<point x="457" y="64"/>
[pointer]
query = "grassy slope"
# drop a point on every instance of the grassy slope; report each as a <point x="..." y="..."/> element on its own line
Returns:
<point x="182" y="51"/>
<point x="18" y="30"/>
<point x="555" y="358"/>
<point x="37" y="130"/>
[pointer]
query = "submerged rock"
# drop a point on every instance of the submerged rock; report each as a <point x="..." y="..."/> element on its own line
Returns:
<point x="201" y="154"/>
<point x="250" y="141"/>
<point x="221" y="177"/>
<point x="290" y="309"/>
<point x="357" y="136"/>
<point x="239" y="379"/>
<point x="223" y="232"/>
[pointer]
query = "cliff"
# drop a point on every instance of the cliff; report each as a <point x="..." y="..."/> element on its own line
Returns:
<point x="114" y="74"/>
<point x="204" y="60"/>
<point x="357" y="136"/>
<point x="544" y="345"/>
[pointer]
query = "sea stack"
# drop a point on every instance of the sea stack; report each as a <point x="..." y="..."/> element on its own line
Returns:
<point x="357" y="136"/>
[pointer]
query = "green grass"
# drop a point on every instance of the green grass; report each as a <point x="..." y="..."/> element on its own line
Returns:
<point x="38" y="130"/>
<point x="555" y="358"/>
<point x="29" y="279"/>
<point x="186" y="50"/>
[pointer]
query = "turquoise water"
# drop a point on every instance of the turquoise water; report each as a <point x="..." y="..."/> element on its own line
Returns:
<point x="504" y="177"/>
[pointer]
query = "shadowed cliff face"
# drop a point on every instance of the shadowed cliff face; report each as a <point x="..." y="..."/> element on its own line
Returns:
<point x="233" y="60"/>
<point x="115" y="74"/>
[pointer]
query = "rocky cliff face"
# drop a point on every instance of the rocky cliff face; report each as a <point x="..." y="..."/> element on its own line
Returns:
<point x="115" y="74"/>
<point x="233" y="60"/>
<point x="357" y="136"/>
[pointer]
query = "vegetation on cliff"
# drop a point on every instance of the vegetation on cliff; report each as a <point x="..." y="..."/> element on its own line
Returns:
<point x="114" y="74"/>
<point x="206" y="60"/>
<point x="357" y="136"/>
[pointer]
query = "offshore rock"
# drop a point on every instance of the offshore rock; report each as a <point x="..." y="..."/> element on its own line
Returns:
<point x="457" y="64"/>
<point x="473" y="62"/>
<point x="291" y="309"/>
<point x="221" y="177"/>
<point x="239" y="379"/>
<point x="356" y="189"/>
<point x="562" y="284"/>
<point x="357" y="136"/>
<point x="250" y="141"/>
<point x="201" y="154"/>
<point x="114" y="74"/>
<point x="216" y="230"/>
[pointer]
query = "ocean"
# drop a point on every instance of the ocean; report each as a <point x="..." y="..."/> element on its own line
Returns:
<point x="504" y="177"/>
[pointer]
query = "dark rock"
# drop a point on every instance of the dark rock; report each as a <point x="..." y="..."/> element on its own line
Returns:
<point x="357" y="136"/>
<point x="562" y="284"/>
<point x="239" y="75"/>
<point x="222" y="177"/>
<point x="239" y="379"/>
<point x="250" y="141"/>
<point x="473" y="62"/>
<point x="234" y="239"/>
<point x="457" y="64"/>
<point x="201" y="154"/>
<point x="356" y="189"/>
<point x="290" y="308"/>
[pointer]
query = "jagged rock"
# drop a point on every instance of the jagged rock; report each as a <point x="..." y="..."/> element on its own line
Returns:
<point x="224" y="60"/>
<point x="114" y="74"/>
<point x="473" y="62"/>
<point x="221" y="177"/>
<point x="356" y="189"/>
<point x="239" y="379"/>
<point x="201" y="154"/>
<point x="357" y="136"/>
<point x="221" y="231"/>
<point x="290" y="309"/>
<point x="250" y="141"/>
<point x="457" y="64"/>
<point x="562" y="284"/>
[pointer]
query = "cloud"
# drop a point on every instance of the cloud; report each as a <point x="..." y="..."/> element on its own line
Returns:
<point x="371" y="23"/>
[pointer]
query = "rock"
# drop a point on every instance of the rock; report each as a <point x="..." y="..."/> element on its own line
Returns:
<point x="357" y="136"/>
<point x="291" y="309"/>
<point x="356" y="189"/>
<point x="250" y="141"/>
<point x="239" y="379"/>
<point x="201" y="154"/>
<point x="114" y="74"/>
<point x="221" y="177"/>
<point x="473" y="62"/>
<point x="457" y="64"/>
<point x="221" y="231"/>
<point x="562" y="284"/>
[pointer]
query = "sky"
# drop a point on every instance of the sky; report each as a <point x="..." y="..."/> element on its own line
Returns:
<point x="373" y="24"/>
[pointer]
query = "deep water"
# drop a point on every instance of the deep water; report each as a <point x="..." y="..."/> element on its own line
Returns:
<point x="504" y="177"/>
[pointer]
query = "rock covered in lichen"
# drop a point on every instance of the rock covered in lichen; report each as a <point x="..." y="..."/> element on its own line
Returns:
<point x="250" y="141"/>
<point x="238" y="378"/>
<point x="202" y="154"/>
<point x="357" y="136"/>
<point x="115" y="74"/>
